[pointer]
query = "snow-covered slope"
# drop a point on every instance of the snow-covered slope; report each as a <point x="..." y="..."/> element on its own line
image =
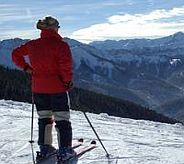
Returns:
<point x="132" y="141"/>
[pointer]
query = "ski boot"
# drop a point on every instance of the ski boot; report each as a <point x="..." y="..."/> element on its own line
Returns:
<point x="64" y="154"/>
<point x="45" y="152"/>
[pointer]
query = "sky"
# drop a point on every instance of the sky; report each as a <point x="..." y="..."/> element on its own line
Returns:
<point x="93" y="20"/>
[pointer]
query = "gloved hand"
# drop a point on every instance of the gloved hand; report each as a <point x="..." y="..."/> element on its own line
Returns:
<point x="68" y="85"/>
<point x="28" y="69"/>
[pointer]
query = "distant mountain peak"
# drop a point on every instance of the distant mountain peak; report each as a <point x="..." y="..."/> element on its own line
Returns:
<point x="178" y="35"/>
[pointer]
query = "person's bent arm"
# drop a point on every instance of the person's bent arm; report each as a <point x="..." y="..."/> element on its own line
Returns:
<point x="18" y="57"/>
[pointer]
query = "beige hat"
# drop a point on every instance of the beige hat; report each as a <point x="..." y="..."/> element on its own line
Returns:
<point x="47" y="22"/>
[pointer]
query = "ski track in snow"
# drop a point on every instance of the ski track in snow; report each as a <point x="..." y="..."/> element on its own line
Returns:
<point x="132" y="141"/>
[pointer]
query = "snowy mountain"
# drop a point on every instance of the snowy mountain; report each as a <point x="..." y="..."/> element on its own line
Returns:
<point x="147" y="72"/>
<point x="174" y="41"/>
<point x="6" y="47"/>
<point x="128" y="141"/>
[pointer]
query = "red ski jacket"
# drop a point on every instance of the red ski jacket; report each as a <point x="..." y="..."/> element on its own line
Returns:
<point x="50" y="60"/>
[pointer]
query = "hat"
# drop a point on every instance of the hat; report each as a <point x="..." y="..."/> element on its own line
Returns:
<point x="47" y="22"/>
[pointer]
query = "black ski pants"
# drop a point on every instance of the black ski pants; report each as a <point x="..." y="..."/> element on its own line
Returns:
<point x="53" y="108"/>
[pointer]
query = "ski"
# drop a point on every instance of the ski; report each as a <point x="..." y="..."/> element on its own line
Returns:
<point x="78" y="143"/>
<point x="85" y="149"/>
<point x="74" y="146"/>
<point x="79" y="152"/>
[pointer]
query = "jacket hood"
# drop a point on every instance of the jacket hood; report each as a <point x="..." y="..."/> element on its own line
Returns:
<point x="47" y="33"/>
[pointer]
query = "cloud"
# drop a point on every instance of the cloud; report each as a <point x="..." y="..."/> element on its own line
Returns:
<point x="10" y="13"/>
<point x="115" y="3"/>
<point x="154" y="24"/>
<point x="22" y="33"/>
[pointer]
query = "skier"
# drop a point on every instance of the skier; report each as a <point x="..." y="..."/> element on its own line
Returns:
<point x="51" y="69"/>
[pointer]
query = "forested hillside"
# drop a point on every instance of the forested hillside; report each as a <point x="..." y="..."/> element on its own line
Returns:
<point x="16" y="85"/>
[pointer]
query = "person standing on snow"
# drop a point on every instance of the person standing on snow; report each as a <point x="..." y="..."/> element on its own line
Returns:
<point x="51" y="70"/>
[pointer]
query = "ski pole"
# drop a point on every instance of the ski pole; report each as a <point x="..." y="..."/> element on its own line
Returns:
<point x="32" y="121"/>
<point x="107" y="154"/>
<point x="78" y="106"/>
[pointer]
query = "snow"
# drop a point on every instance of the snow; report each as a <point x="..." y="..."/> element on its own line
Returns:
<point x="175" y="61"/>
<point x="132" y="141"/>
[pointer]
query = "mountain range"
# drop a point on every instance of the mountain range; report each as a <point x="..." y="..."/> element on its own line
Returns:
<point x="149" y="72"/>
